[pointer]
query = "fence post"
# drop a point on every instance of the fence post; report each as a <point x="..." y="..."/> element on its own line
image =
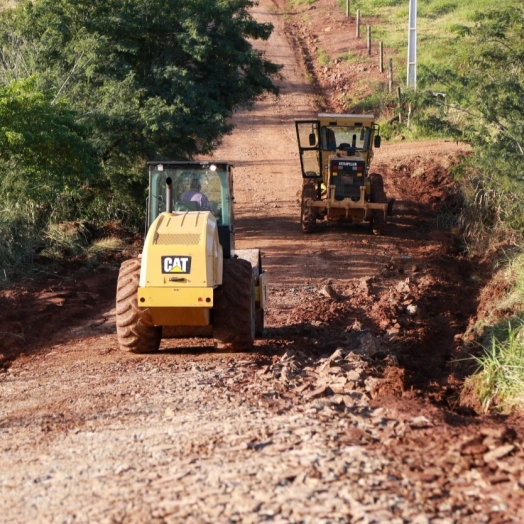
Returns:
<point x="381" y="57"/>
<point x="390" y="74"/>
<point x="358" y="23"/>
<point x="347" y="8"/>
<point x="369" y="40"/>
<point x="399" y="105"/>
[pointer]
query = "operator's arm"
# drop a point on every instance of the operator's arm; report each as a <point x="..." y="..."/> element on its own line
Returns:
<point x="205" y="205"/>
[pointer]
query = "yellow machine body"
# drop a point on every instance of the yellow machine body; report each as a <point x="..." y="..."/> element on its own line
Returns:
<point x="182" y="263"/>
<point x="336" y="151"/>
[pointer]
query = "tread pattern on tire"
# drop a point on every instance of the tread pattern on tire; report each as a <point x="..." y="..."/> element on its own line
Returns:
<point x="135" y="329"/>
<point x="378" y="196"/>
<point x="234" y="307"/>
<point x="308" y="215"/>
<point x="259" y="313"/>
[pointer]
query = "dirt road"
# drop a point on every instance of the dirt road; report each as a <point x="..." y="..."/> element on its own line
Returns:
<point x="348" y="409"/>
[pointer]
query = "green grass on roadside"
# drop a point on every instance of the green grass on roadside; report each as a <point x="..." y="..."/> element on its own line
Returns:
<point x="435" y="20"/>
<point x="297" y="3"/>
<point x="323" y="58"/>
<point x="436" y="41"/>
<point x="498" y="382"/>
<point x="25" y="243"/>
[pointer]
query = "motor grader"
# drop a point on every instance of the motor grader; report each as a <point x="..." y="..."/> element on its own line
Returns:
<point x="335" y="156"/>
<point x="190" y="281"/>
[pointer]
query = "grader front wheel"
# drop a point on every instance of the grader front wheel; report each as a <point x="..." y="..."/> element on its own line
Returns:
<point x="308" y="215"/>
<point x="134" y="326"/>
<point x="378" y="196"/>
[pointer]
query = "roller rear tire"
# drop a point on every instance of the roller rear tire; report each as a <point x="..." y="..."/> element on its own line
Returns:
<point x="135" y="329"/>
<point x="234" y="307"/>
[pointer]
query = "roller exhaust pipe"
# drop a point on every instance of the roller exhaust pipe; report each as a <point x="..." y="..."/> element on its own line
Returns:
<point x="169" y="195"/>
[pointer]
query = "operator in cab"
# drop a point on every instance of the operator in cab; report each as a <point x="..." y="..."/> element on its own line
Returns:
<point x="194" y="194"/>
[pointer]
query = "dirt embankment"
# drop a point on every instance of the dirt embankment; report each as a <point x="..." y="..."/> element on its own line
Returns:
<point x="347" y="410"/>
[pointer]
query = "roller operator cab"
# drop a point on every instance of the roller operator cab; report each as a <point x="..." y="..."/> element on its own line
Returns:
<point x="190" y="281"/>
<point x="335" y="156"/>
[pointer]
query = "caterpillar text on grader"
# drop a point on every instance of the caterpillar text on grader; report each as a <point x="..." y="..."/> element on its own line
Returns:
<point x="190" y="281"/>
<point x="335" y="156"/>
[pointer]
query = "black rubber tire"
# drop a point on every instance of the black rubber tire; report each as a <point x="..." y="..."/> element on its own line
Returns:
<point x="134" y="327"/>
<point x="259" y="313"/>
<point x="378" y="196"/>
<point x="308" y="216"/>
<point x="259" y="323"/>
<point x="234" y="307"/>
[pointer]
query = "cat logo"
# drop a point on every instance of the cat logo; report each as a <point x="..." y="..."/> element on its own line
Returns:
<point x="176" y="264"/>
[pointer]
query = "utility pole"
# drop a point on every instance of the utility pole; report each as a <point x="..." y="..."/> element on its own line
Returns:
<point x="412" y="45"/>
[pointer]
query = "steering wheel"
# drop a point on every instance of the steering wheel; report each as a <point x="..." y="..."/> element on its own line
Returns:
<point x="350" y="150"/>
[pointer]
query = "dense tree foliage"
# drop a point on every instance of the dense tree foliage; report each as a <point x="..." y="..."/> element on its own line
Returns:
<point x="43" y="150"/>
<point x="90" y="90"/>
<point x="148" y="79"/>
<point x="155" y="78"/>
<point x="481" y="101"/>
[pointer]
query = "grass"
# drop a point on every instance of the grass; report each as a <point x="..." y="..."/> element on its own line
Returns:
<point x="358" y="98"/>
<point x="20" y="237"/>
<point x="436" y="43"/>
<point x="25" y="244"/>
<point x="348" y="56"/>
<point x="323" y="57"/>
<point x="74" y="239"/>
<point x="498" y="383"/>
<point x="298" y="3"/>
<point x="9" y="4"/>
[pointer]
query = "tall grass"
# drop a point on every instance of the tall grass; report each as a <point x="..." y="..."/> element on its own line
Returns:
<point x="31" y="236"/>
<point x="435" y="19"/>
<point x="437" y="43"/>
<point x="498" y="383"/>
<point x="498" y="380"/>
<point x="491" y="216"/>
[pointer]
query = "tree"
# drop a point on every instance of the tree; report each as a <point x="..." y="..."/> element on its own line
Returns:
<point x="154" y="78"/>
<point x="485" y="89"/>
<point x="483" y="105"/>
<point x="43" y="151"/>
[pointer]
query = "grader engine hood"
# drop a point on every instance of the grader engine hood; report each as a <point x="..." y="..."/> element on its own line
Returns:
<point x="181" y="261"/>
<point x="347" y="174"/>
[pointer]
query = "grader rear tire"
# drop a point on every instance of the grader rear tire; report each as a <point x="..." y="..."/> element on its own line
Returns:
<point x="378" y="196"/>
<point x="308" y="216"/>
<point x="134" y="326"/>
<point x="234" y="307"/>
